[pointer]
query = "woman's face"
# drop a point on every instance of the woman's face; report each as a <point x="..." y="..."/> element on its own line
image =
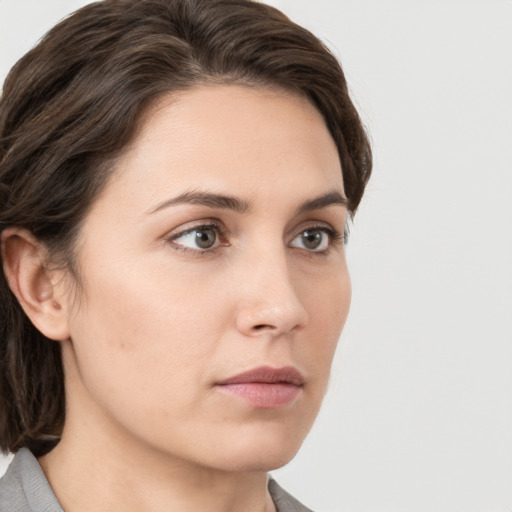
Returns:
<point x="215" y="249"/>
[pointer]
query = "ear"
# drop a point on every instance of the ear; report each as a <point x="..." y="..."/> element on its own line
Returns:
<point x="39" y="291"/>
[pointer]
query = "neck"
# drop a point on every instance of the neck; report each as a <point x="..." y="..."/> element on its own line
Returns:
<point x="88" y="476"/>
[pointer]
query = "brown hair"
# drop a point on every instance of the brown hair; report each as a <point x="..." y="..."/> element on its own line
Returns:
<point x="73" y="103"/>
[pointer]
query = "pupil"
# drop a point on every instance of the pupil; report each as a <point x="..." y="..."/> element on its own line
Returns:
<point x="205" y="239"/>
<point x="312" y="239"/>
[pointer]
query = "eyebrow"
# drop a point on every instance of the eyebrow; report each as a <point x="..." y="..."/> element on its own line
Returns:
<point x="331" y="198"/>
<point x="209" y="199"/>
<point x="225" y="202"/>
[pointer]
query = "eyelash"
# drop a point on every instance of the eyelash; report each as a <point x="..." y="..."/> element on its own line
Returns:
<point x="335" y="237"/>
<point x="199" y="227"/>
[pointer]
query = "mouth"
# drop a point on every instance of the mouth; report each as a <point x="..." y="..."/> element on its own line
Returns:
<point x="265" y="387"/>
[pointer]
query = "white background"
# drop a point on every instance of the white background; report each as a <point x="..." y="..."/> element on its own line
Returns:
<point x="419" y="413"/>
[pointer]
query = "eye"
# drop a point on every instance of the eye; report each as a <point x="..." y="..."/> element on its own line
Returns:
<point x="199" y="238"/>
<point x="313" y="239"/>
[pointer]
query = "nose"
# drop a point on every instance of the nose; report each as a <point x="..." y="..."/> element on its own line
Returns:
<point x="269" y="304"/>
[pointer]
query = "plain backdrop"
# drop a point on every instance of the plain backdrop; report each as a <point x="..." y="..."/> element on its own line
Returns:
<point x="419" y="412"/>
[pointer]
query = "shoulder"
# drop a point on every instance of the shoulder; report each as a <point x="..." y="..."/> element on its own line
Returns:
<point x="24" y="487"/>
<point x="283" y="501"/>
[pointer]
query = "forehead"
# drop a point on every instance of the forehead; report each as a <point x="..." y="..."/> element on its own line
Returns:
<point x="246" y="138"/>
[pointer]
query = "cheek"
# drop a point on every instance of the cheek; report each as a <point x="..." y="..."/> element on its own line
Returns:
<point x="144" y="335"/>
<point x="327" y="296"/>
<point x="328" y="304"/>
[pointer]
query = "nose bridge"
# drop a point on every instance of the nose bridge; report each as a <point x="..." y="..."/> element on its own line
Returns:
<point x="270" y="303"/>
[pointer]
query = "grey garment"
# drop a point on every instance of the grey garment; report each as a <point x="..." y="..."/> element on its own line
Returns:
<point x="24" y="488"/>
<point x="283" y="501"/>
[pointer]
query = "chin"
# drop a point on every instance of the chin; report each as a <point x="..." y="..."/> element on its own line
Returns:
<point x="258" y="451"/>
<point x="249" y="462"/>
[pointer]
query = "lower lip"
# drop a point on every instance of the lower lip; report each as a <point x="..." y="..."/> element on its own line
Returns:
<point x="258" y="394"/>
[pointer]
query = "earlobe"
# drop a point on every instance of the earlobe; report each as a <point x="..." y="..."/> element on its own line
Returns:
<point x="35" y="286"/>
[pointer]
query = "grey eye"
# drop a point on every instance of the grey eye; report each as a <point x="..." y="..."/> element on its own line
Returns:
<point x="198" y="238"/>
<point x="205" y="238"/>
<point x="315" y="240"/>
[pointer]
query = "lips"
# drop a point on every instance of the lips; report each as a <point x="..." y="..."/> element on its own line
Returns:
<point x="265" y="387"/>
<point x="267" y="375"/>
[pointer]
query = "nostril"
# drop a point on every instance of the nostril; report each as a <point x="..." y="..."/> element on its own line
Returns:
<point x="261" y="327"/>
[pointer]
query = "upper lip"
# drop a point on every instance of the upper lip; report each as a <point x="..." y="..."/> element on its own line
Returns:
<point x="267" y="375"/>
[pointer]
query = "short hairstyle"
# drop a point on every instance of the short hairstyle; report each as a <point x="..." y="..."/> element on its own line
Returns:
<point x="74" y="102"/>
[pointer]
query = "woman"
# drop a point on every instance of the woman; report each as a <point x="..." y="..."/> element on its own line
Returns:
<point x="175" y="181"/>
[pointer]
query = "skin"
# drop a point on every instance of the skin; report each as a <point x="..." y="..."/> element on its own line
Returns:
<point x="156" y="321"/>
